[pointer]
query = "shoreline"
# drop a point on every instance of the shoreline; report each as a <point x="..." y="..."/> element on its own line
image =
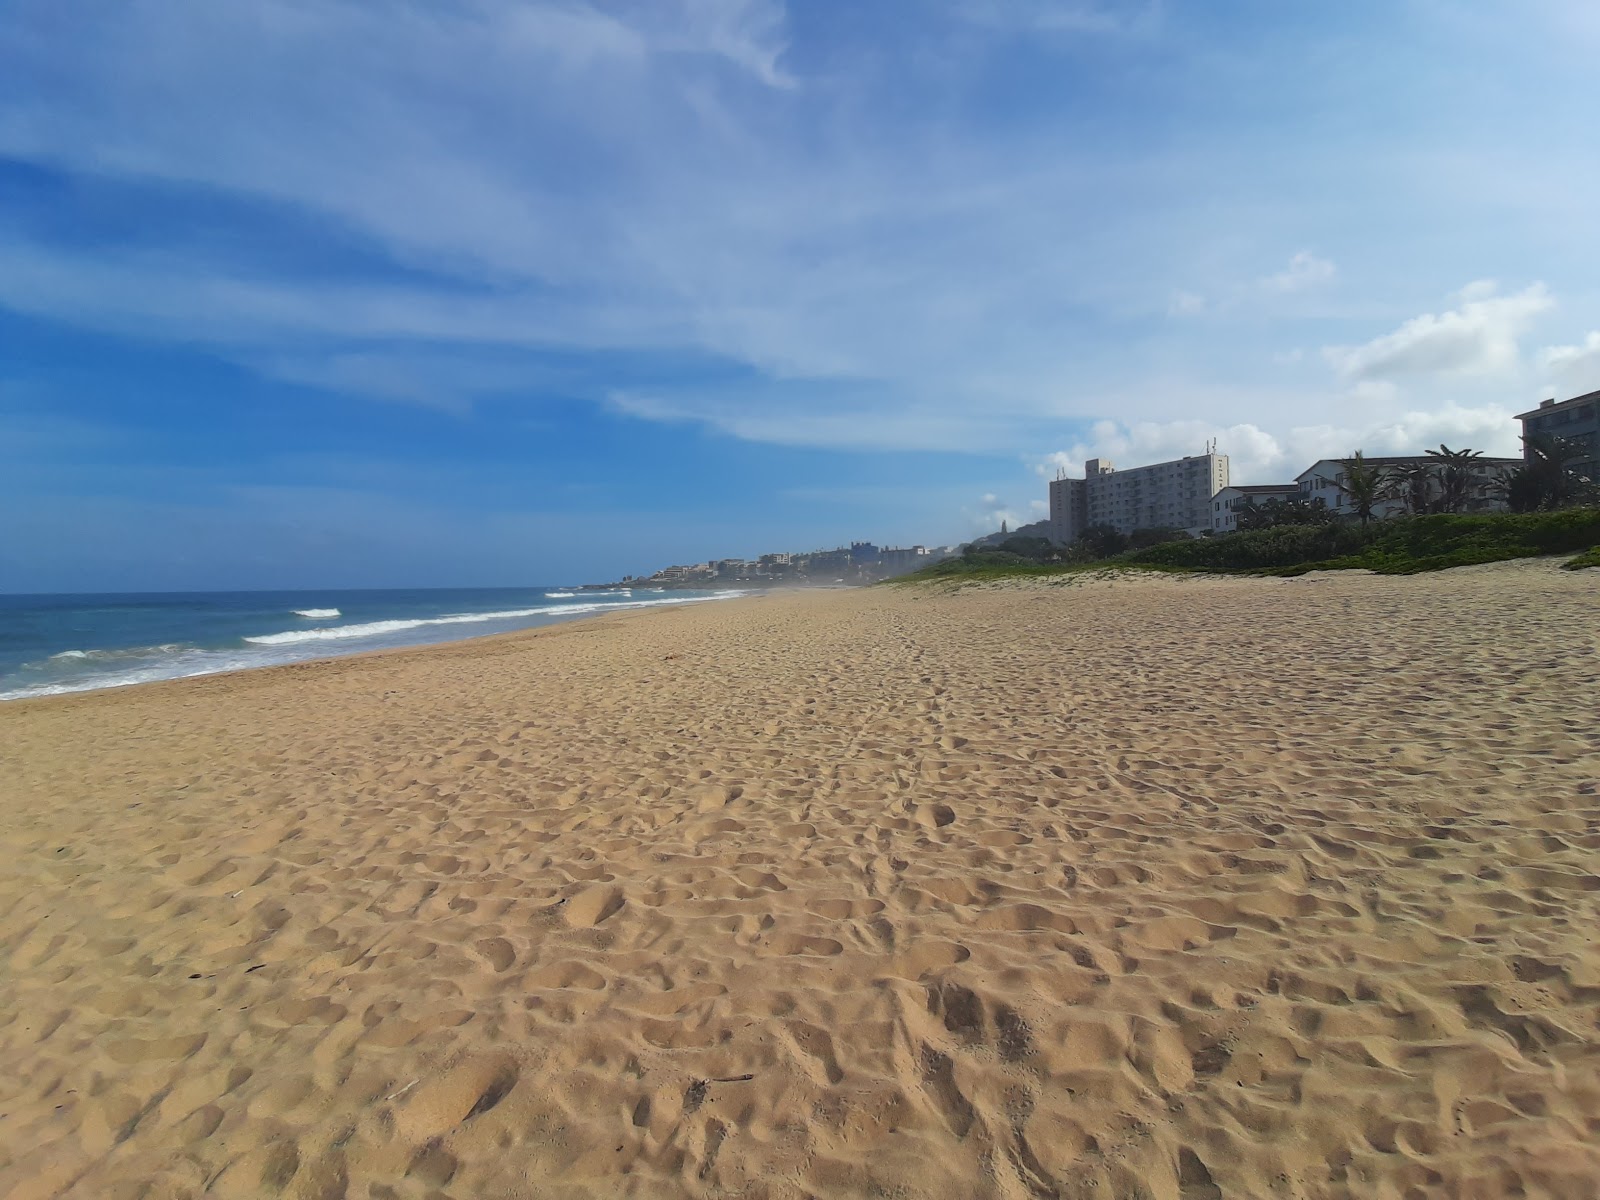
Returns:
<point x="1155" y="885"/>
<point x="333" y="653"/>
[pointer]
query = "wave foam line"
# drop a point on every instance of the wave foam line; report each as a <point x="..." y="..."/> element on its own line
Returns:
<point x="127" y="652"/>
<point x="318" y="614"/>
<point x="367" y="629"/>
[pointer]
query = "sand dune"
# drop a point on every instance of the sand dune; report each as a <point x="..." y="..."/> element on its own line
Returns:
<point x="1162" y="888"/>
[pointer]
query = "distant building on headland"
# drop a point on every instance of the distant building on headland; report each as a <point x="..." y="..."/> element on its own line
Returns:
<point x="1324" y="480"/>
<point x="863" y="562"/>
<point x="1165" y="495"/>
<point x="1576" y="421"/>
<point x="1228" y="503"/>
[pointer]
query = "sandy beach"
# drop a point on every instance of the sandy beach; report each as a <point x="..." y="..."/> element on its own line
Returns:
<point x="1155" y="887"/>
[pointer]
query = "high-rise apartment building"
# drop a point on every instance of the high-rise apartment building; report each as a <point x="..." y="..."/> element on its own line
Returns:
<point x="1168" y="495"/>
<point x="1576" y="422"/>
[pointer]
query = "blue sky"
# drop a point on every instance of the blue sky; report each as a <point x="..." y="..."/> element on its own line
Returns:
<point x="475" y="292"/>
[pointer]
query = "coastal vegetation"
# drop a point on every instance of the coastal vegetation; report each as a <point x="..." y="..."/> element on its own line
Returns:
<point x="1398" y="546"/>
<point x="1553" y="508"/>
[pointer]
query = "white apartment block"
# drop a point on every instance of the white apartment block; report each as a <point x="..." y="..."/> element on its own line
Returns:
<point x="1324" y="480"/>
<point x="1168" y="495"/>
<point x="1227" y="504"/>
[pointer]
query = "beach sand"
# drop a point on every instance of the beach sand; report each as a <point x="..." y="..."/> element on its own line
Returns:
<point x="1168" y="888"/>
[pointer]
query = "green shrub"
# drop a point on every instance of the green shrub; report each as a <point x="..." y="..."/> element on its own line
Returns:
<point x="1402" y="546"/>
<point x="1257" y="549"/>
<point x="1589" y="558"/>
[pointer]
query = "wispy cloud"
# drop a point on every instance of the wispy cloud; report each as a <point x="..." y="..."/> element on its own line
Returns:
<point x="878" y="259"/>
<point x="1061" y="16"/>
<point x="1305" y="270"/>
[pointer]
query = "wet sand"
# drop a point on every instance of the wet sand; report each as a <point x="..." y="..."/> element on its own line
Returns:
<point x="1175" y="888"/>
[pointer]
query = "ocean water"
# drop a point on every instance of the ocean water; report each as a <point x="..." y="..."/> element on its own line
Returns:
<point x="51" y="644"/>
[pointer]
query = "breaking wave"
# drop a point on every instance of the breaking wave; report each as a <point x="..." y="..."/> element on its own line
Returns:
<point x="78" y="670"/>
<point x="370" y="629"/>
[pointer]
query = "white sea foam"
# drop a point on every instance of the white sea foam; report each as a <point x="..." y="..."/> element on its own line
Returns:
<point x="371" y="629"/>
<point x="318" y="614"/>
<point x="559" y="595"/>
<point x="67" y="671"/>
<point x="119" y="668"/>
<point x="127" y="652"/>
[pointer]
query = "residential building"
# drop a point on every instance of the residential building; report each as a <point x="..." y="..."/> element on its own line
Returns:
<point x="863" y="554"/>
<point x="1166" y="495"/>
<point x="898" y="560"/>
<point x="1227" y="504"/>
<point x="1324" y="480"/>
<point x="827" y="562"/>
<point x="1576" y="421"/>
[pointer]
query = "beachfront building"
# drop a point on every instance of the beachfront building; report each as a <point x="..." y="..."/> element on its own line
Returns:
<point x="1324" y="480"/>
<point x="1576" y="421"/>
<point x="1227" y="504"/>
<point x="1166" y="495"/>
<point x="898" y="560"/>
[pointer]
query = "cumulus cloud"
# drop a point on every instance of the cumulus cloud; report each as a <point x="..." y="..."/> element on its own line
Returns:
<point x="1305" y="270"/>
<point x="1576" y="368"/>
<point x="1481" y="334"/>
<point x="1257" y="455"/>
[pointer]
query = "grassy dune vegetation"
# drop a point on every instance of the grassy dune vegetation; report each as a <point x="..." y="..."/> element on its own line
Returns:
<point x="1402" y="546"/>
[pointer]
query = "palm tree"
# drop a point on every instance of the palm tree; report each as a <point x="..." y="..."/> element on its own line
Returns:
<point x="1548" y="479"/>
<point x="1458" y="477"/>
<point x="1522" y="490"/>
<point x="1411" y="484"/>
<point x="1363" y="484"/>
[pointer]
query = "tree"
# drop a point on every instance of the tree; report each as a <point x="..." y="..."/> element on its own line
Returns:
<point x="1549" y="478"/>
<point x="1103" y="541"/>
<point x="1037" y="548"/>
<point x="1363" y="483"/>
<point x="1458" y="477"/>
<point x="1140" y="538"/>
<point x="1292" y="510"/>
<point x="1523" y="490"/>
<point x="1412" y="485"/>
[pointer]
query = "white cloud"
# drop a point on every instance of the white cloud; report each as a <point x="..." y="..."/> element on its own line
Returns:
<point x="1305" y="270"/>
<point x="991" y="511"/>
<point x="1480" y="335"/>
<point x="1257" y="455"/>
<point x="675" y="178"/>
<point x="1574" y="369"/>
